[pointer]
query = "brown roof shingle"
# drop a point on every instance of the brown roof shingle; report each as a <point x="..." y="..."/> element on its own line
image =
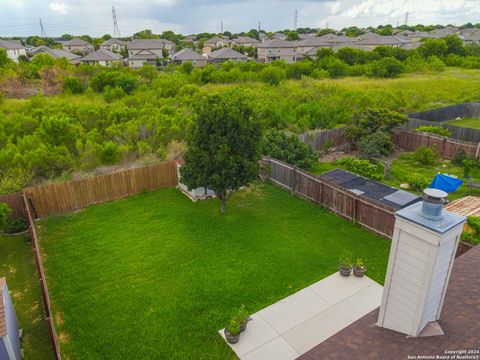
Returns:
<point x="459" y="320"/>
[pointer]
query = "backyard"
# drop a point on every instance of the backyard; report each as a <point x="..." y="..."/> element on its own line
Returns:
<point x="19" y="269"/>
<point x="157" y="275"/>
<point x="467" y="122"/>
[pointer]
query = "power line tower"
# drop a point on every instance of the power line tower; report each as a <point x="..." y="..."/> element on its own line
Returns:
<point x="406" y="17"/>
<point x="116" y="30"/>
<point x="259" y="26"/>
<point x="42" y="30"/>
<point x="221" y="26"/>
<point x="295" y="21"/>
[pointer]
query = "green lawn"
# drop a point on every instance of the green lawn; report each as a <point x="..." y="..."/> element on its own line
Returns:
<point x="17" y="265"/>
<point x="467" y="122"/>
<point x="156" y="276"/>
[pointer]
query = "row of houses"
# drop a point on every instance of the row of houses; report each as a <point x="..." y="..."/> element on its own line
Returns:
<point x="218" y="49"/>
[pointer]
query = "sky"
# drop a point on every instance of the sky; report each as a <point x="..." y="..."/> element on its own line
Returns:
<point x="94" y="17"/>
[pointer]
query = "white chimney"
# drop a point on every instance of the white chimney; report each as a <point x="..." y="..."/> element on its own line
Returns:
<point x="423" y="249"/>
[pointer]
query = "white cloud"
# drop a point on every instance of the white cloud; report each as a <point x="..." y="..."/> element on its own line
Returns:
<point x="58" y="7"/>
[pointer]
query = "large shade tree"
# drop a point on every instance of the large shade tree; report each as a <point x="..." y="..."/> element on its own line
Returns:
<point x="223" y="148"/>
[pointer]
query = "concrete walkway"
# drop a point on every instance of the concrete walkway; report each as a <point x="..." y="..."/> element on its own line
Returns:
<point x="294" y="325"/>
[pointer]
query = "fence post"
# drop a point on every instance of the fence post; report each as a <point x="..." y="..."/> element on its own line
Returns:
<point x="294" y="178"/>
<point x="478" y="149"/>
<point x="354" y="211"/>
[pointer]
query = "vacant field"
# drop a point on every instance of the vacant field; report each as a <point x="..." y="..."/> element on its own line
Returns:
<point x="17" y="265"/>
<point x="156" y="275"/>
<point x="467" y="122"/>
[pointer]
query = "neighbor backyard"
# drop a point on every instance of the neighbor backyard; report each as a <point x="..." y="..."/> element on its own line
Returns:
<point x="157" y="276"/>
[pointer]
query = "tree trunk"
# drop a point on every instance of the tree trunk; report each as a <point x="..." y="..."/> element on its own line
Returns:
<point x="223" y="203"/>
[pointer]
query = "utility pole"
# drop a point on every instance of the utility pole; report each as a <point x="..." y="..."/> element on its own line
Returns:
<point x="406" y="17"/>
<point x="116" y="30"/>
<point x="42" y="30"/>
<point x="295" y="21"/>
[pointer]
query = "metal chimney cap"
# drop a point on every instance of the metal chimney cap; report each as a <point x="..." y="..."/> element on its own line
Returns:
<point x="435" y="193"/>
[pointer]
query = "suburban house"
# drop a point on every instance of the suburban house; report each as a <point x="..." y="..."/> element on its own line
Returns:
<point x="101" y="57"/>
<point x="77" y="44"/>
<point x="143" y="57"/>
<point x="56" y="53"/>
<point x="277" y="49"/>
<point x="279" y="36"/>
<point x="245" y="41"/>
<point x="337" y="39"/>
<point x="311" y="45"/>
<point x="188" y="55"/>
<point x="155" y="46"/>
<point x="225" y="54"/>
<point x="13" y="48"/>
<point x="470" y="35"/>
<point x="9" y="330"/>
<point x="372" y="40"/>
<point x="113" y="45"/>
<point x="214" y="43"/>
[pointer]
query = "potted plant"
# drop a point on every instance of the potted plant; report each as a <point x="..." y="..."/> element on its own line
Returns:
<point x="232" y="330"/>
<point x="359" y="269"/>
<point x="345" y="266"/>
<point x="243" y="317"/>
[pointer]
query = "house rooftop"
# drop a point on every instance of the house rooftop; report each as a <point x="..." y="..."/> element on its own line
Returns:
<point x="459" y="320"/>
<point x="278" y="43"/>
<point x="3" y="320"/>
<point x="144" y="55"/>
<point x="379" y="40"/>
<point x="55" y="53"/>
<point x="113" y="41"/>
<point x="187" y="54"/>
<point x="226" y="53"/>
<point x="215" y="39"/>
<point x="102" y="55"/>
<point x="245" y="40"/>
<point x="139" y="44"/>
<point x="76" y="42"/>
<point x="10" y="44"/>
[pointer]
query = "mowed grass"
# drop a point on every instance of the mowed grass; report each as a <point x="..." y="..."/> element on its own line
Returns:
<point x="155" y="276"/>
<point x="18" y="267"/>
<point x="467" y="122"/>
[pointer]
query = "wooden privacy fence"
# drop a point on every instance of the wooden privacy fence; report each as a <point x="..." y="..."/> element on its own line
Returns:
<point x="50" y="199"/>
<point x="376" y="217"/>
<point x="15" y="202"/>
<point x="317" y="139"/>
<point x="458" y="132"/>
<point x="446" y="147"/>
<point x="42" y="280"/>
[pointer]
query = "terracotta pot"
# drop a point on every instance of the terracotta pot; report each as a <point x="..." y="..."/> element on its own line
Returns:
<point x="344" y="271"/>
<point x="231" y="339"/>
<point x="359" y="272"/>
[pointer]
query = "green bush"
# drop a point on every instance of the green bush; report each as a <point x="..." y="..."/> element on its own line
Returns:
<point x="112" y="94"/>
<point x="388" y="67"/>
<point x="272" y="75"/>
<point x="71" y="85"/>
<point x="472" y="236"/>
<point x="5" y="212"/>
<point x="15" y="226"/>
<point x="437" y="130"/>
<point x="460" y="155"/>
<point x="417" y="182"/>
<point x="360" y="167"/>
<point x="377" y="144"/>
<point x="425" y="155"/>
<point x="280" y="146"/>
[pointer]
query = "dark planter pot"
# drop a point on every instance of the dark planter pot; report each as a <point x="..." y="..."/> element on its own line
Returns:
<point x="243" y="327"/>
<point x="359" y="272"/>
<point x="231" y="339"/>
<point x="344" y="271"/>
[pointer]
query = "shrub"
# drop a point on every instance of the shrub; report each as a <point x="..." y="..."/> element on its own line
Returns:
<point x="361" y="167"/>
<point x="467" y="165"/>
<point x="417" y="182"/>
<point x="472" y="236"/>
<point x="5" y="212"/>
<point x="425" y="155"/>
<point x="110" y="153"/>
<point x="71" y="85"/>
<point x="111" y="94"/>
<point x="388" y="67"/>
<point x="376" y="145"/>
<point x="287" y="148"/>
<point x="15" y="226"/>
<point x="272" y="75"/>
<point x="437" y="130"/>
<point x="460" y="155"/>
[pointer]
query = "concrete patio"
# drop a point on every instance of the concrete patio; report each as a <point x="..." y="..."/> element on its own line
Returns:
<point x="294" y="325"/>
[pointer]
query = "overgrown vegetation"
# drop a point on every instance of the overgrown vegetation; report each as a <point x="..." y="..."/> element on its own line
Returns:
<point x="359" y="167"/>
<point x="472" y="232"/>
<point x="436" y="130"/>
